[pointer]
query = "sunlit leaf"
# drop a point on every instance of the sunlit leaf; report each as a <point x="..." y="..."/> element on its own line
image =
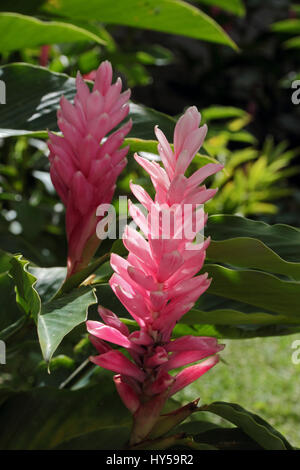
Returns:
<point x="169" y="16"/>
<point x="38" y="33"/>
<point x="60" y="316"/>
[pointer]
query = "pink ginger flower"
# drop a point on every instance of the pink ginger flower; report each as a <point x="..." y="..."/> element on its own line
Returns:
<point x="83" y="166"/>
<point x="158" y="283"/>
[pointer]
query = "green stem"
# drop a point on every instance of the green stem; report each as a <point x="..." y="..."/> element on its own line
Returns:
<point x="84" y="366"/>
<point x="78" y="278"/>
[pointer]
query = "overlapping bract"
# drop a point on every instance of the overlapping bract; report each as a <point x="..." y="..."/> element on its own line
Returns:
<point x="83" y="168"/>
<point x="158" y="283"/>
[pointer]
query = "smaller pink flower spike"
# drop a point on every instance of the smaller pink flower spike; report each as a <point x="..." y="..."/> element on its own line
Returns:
<point x="160" y="281"/>
<point x="83" y="168"/>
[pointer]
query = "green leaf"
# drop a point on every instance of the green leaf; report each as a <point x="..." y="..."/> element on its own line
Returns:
<point x="37" y="33"/>
<point x="253" y="425"/>
<point x="233" y="331"/>
<point x="233" y="6"/>
<point x="221" y="438"/>
<point x="26" y="295"/>
<point x="49" y="281"/>
<point x="11" y="318"/>
<point x="222" y="112"/>
<point x="290" y="26"/>
<point x="32" y="96"/>
<point x="251" y="253"/>
<point x="233" y="317"/>
<point x="256" y="288"/>
<point x="46" y="418"/>
<point x="284" y="240"/>
<point x="293" y="43"/>
<point x="60" y="316"/>
<point x="168" y="16"/>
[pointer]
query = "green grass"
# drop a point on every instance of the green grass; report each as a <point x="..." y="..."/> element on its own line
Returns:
<point x="260" y="376"/>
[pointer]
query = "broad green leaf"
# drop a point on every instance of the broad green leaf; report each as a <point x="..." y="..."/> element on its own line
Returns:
<point x="33" y="94"/>
<point x="222" y="438"/>
<point x="253" y="425"/>
<point x="222" y="317"/>
<point x="37" y="33"/>
<point x="233" y="317"/>
<point x="228" y="439"/>
<point x="46" y="418"/>
<point x="233" y="331"/>
<point x="284" y="240"/>
<point x="251" y="253"/>
<point x="256" y="288"/>
<point x="60" y="316"/>
<point x="32" y="97"/>
<point x="49" y="281"/>
<point x="233" y="6"/>
<point x="196" y="426"/>
<point x="26" y="295"/>
<point x="168" y="16"/>
<point x="11" y="318"/>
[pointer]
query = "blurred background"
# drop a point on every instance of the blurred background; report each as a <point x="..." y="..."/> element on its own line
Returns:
<point x="245" y="96"/>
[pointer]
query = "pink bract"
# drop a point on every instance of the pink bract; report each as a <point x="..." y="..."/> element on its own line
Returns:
<point x="159" y="282"/>
<point x="83" y="166"/>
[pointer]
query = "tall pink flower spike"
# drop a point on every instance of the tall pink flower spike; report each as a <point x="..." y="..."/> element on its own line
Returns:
<point x="83" y="168"/>
<point x="158" y="283"/>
